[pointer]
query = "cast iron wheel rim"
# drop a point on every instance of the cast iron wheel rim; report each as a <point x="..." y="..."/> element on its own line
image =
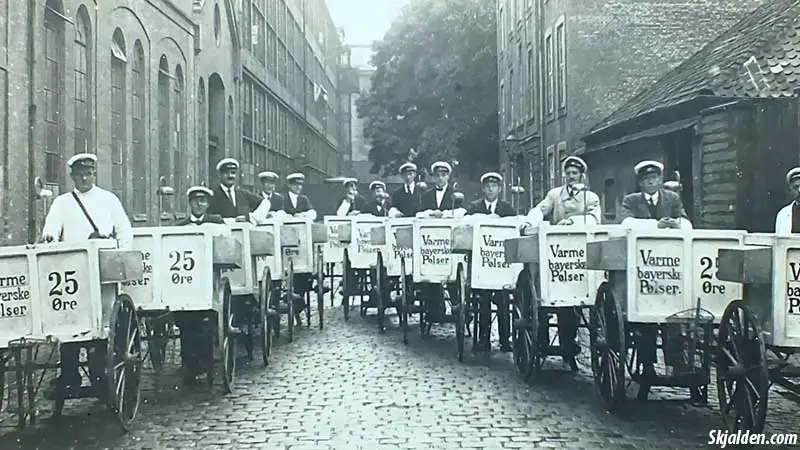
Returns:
<point x="461" y="285"/>
<point x="320" y="291"/>
<point x="403" y="300"/>
<point x="124" y="358"/>
<point x="380" y="286"/>
<point x="264" y="293"/>
<point x="346" y="280"/>
<point x="523" y="343"/>
<point x="607" y="336"/>
<point x="228" y="337"/>
<point x="290" y="298"/>
<point x="741" y="369"/>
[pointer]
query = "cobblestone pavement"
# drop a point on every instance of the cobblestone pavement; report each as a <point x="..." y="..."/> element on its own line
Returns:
<point x="349" y="387"/>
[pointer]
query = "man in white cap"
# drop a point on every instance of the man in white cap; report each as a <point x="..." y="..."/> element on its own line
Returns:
<point x="269" y="181"/>
<point x="492" y="205"/>
<point x="199" y="201"/>
<point x="298" y="204"/>
<point x="407" y="200"/>
<point x="229" y="201"/>
<point x="442" y="200"/>
<point x="653" y="206"/>
<point x="352" y="203"/>
<point x="570" y="204"/>
<point x="379" y="206"/>
<point x="788" y="219"/>
<point x="88" y="212"/>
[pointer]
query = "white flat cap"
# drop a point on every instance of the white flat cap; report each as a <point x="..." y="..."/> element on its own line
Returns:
<point x="347" y="181"/>
<point x="491" y="176"/>
<point x="407" y="166"/>
<point x="646" y="167"/>
<point x="85" y="159"/>
<point x="792" y="174"/>
<point x="297" y="176"/>
<point x="377" y="183"/>
<point x="227" y="162"/>
<point x="199" y="190"/>
<point x="268" y="175"/>
<point x="441" y="165"/>
<point x="576" y="162"/>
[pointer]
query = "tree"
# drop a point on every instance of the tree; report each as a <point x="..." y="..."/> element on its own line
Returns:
<point x="435" y="87"/>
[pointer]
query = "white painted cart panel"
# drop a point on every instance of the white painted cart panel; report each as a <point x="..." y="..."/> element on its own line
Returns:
<point x="434" y="260"/>
<point x="488" y="268"/>
<point x="364" y="254"/>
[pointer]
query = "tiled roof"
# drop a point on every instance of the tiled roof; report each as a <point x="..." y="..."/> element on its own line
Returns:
<point x="758" y="57"/>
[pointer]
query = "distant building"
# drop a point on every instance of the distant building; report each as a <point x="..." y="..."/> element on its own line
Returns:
<point x="565" y="64"/>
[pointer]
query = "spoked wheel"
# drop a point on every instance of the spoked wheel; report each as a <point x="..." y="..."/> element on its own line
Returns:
<point x="381" y="288"/>
<point x="320" y="291"/>
<point x="290" y="298"/>
<point x="742" y="376"/>
<point x="525" y="325"/>
<point x="229" y="334"/>
<point x="266" y="314"/>
<point x="462" y="296"/>
<point x="124" y="359"/>
<point x="405" y="300"/>
<point x="608" y="348"/>
<point x="347" y="285"/>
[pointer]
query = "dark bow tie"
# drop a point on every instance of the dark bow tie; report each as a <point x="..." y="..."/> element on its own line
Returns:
<point x="441" y="189"/>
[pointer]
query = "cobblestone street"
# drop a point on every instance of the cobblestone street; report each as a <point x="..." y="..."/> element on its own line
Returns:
<point x="349" y="387"/>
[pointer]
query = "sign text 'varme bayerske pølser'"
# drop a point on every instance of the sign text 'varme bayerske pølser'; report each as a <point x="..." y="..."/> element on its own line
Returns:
<point x="492" y="253"/>
<point x="435" y="251"/>
<point x="15" y="295"/>
<point x="658" y="274"/>
<point x="792" y="286"/>
<point x="567" y="265"/>
<point x="147" y="271"/>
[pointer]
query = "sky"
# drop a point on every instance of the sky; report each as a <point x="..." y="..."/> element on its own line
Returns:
<point x="364" y="21"/>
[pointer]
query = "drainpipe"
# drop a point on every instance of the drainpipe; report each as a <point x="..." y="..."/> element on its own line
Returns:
<point x="305" y="85"/>
<point x="539" y="43"/>
<point x="31" y="59"/>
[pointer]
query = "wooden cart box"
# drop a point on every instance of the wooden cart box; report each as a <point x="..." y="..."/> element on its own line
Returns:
<point x="63" y="290"/>
<point x="363" y="253"/>
<point x="241" y="279"/>
<point x="297" y="242"/>
<point x="433" y="257"/>
<point x="179" y="266"/>
<point x="770" y="271"/>
<point x="390" y="237"/>
<point x="666" y="271"/>
<point x="557" y="254"/>
<point x="271" y="259"/>
<point x="333" y="251"/>
<point x="484" y="238"/>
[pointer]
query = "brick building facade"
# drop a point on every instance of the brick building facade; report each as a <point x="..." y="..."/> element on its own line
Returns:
<point x="565" y="64"/>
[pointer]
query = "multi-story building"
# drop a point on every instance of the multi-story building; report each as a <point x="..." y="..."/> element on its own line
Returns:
<point x="565" y="64"/>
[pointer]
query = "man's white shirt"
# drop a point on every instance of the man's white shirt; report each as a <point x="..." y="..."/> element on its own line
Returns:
<point x="229" y="191"/>
<point x="293" y="199"/>
<point x="440" y="196"/>
<point x="651" y="199"/>
<point x="491" y="206"/>
<point x="66" y="220"/>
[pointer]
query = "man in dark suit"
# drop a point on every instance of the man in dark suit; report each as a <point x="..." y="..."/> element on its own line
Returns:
<point x="407" y="200"/>
<point x="230" y="201"/>
<point x="442" y="200"/>
<point x="492" y="205"/>
<point x="352" y="203"/>
<point x="297" y="204"/>
<point x="653" y="207"/>
<point x="269" y="180"/>
<point x="199" y="201"/>
<point x="379" y="206"/>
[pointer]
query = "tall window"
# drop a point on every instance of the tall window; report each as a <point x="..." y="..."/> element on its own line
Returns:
<point x="548" y="48"/>
<point x="512" y="98"/>
<point x="179" y="162"/>
<point x="83" y="83"/>
<point x="119" y="61"/>
<point x="551" y="166"/>
<point x="561" y="57"/>
<point x="503" y="118"/>
<point x="53" y="91"/>
<point x="259" y="30"/>
<point x="164" y="127"/>
<point x="519" y="98"/>
<point x="141" y="157"/>
<point x="531" y="86"/>
<point x="201" y="129"/>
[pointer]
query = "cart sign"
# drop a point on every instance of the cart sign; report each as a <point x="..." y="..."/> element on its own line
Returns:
<point x="488" y="267"/>
<point x="714" y="294"/>
<point x="792" y="305"/>
<point x="16" y="318"/>
<point x="65" y="292"/>
<point x="142" y="289"/>
<point x="395" y="250"/>
<point x="363" y="253"/>
<point x="333" y="250"/>
<point x="183" y="269"/>
<point x="659" y="280"/>
<point x="434" y="260"/>
<point x="271" y="261"/>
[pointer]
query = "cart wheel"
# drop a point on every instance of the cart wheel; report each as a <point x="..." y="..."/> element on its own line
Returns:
<point x="608" y="348"/>
<point x="524" y="325"/>
<point x="320" y="291"/>
<point x="347" y="281"/>
<point x="290" y="298"/>
<point x="381" y="288"/>
<point x="228" y="337"/>
<point x="461" y="309"/>
<point x="742" y="377"/>
<point x="124" y="359"/>
<point x="264" y="303"/>
<point x="405" y="300"/>
<point x="157" y="337"/>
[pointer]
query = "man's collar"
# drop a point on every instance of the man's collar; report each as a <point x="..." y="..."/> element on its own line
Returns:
<point x="227" y="188"/>
<point x="265" y="195"/>
<point x="194" y="218"/>
<point x="292" y="194"/>
<point x="84" y="193"/>
<point x="490" y="202"/>
<point x="442" y="189"/>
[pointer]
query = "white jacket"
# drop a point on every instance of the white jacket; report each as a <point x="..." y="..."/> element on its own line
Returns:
<point x="783" y="221"/>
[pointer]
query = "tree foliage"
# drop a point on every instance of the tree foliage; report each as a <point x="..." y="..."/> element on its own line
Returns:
<point x="435" y="87"/>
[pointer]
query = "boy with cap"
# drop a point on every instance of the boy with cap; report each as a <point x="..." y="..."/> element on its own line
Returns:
<point x="269" y="180"/>
<point x="229" y="201"/>
<point x="407" y="200"/>
<point x="492" y="205"/>
<point x="788" y="218"/>
<point x="199" y="201"/>
<point x="653" y="206"/>
<point x="379" y="206"/>
<point x="571" y="204"/>
<point x="352" y="203"/>
<point x="88" y="212"/>
<point x="298" y="204"/>
<point x="442" y="200"/>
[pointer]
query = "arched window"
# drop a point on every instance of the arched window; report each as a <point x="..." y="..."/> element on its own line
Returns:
<point x="141" y="159"/>
<point x="179" y="161"/>
<point x="83" y="83"/>
<point x="164" y="127"/>
<point x="119" y="94"/>
<point x="201" y="130"/>
<point x="54" y="52"/>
